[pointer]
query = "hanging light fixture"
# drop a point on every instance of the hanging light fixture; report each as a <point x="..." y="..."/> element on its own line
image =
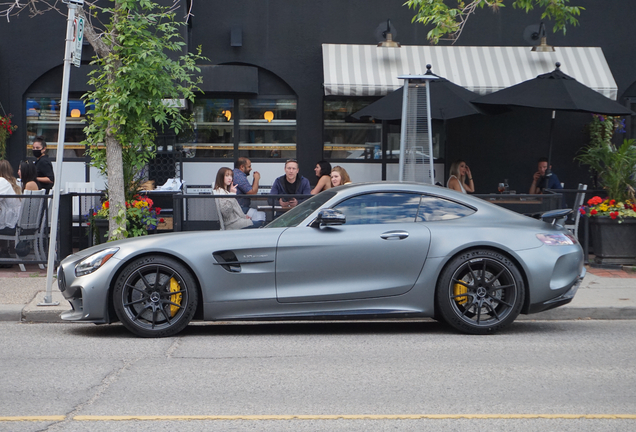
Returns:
<point x="269" y="116"/>
<point x="75" y="113"/>
<point x="388" y="41"/>
<point x="543" y="45"/>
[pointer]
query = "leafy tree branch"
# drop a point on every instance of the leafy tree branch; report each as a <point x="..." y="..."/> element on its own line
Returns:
<point x="448" y="22"/>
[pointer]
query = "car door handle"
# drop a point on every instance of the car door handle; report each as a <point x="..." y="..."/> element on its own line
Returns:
<point x="394" y="235"/>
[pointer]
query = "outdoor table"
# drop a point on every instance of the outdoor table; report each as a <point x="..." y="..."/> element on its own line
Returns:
<point x="521" y="203"/>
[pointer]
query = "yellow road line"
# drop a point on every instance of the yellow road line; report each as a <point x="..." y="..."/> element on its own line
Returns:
<point x="33" y="418"/>
<point x="323" y="417"/>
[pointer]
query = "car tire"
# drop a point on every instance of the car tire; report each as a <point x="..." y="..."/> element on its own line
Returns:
<point x="155" y="296"/>
<point x="479" y="292"/>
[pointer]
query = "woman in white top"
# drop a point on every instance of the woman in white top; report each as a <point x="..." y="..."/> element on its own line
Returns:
<point x="460" y="178"/>
<point x="9" y="207"/>
<point x="233" y="216"/>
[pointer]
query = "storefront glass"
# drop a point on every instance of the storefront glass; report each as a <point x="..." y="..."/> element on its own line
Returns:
<point x="212" y="133"/>
<point x="43" y="117"/>
<point x="347" y="138"/>
<point x="267" y="128"/>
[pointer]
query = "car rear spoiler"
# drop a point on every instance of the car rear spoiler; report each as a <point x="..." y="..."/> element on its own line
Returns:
<point x="554" y="217"/>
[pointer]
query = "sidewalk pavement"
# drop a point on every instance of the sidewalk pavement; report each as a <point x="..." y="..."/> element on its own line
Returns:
<point x="604" y="294"/>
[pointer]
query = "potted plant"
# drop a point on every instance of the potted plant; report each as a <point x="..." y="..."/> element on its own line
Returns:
<point x="141" y="219"/>
<point x="6" y="130"/>
<point x="612" y="219"/>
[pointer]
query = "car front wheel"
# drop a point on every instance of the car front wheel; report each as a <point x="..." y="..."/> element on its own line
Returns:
<point x="480" y="292"/>
<point x="155" y="296"/>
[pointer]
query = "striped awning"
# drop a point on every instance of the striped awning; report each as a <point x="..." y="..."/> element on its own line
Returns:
<point x="366" y="70"/>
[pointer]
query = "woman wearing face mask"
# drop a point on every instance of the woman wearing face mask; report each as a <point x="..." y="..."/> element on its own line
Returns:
<point x="233" y="216"/>
<point x="43" y="165"/>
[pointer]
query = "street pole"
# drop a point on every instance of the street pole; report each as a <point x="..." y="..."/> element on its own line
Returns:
<point x="48" y="298"/>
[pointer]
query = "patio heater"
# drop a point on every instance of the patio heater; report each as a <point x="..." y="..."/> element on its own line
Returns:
<point x="416" y="138"/>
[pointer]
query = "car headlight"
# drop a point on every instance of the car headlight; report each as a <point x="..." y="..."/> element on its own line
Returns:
<point x="91" y="263"/>
<point x="557" y="239"/>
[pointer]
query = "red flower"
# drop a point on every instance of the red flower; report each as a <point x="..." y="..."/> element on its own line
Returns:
<point x="612" y="203"/>
<point x="582" y="210"/>
<point x="595" y="200"/>
<point x="593" y="212"/>
<point x="634" y="207"/>
<point x="613" y="215"/>
<point x="161" y="220"/>
<point x="106" y="204"/>
<point x="157" y="210"/>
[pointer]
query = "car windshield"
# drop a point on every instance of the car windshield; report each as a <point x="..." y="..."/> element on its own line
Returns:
<point x="299" y="213"/>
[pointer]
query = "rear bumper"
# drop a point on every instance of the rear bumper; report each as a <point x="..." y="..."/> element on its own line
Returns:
<point x="559" y="300"/>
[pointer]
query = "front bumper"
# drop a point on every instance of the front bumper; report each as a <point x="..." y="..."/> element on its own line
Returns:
<point x="87" y="295"/>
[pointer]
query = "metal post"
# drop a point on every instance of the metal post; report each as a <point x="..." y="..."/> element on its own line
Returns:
<point x="48" y="298"/>
<point x="403" y="128"/>
<point x="430" y="131"/>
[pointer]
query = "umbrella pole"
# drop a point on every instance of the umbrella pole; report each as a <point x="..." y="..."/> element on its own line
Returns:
<point x="548" y="172"/>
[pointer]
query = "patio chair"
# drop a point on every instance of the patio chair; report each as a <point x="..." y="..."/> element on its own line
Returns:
<point x="578" y="202"/>
<point x="201" y="214"/>
<point x="30" y="225"/>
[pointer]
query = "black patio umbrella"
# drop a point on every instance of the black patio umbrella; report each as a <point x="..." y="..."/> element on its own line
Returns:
<point x="555" y="91"/>
<point x="448" y="101"/>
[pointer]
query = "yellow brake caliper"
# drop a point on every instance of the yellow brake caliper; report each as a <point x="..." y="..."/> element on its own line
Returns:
<point x="175" y="298"/>
<point x="459" y="289"/>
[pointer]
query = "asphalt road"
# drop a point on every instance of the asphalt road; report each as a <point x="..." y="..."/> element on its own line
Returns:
<point x="409" y="376"/>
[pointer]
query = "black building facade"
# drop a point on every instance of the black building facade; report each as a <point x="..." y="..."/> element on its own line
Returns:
<point x="264" y="97"/>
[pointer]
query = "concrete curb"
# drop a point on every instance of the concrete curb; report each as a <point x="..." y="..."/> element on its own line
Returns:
<point x="36" y="312"/>
<point x="582" y="313"/>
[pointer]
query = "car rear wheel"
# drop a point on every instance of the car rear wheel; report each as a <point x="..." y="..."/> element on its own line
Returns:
<point x="155" y="296"/>
<point x="480" y="292"/>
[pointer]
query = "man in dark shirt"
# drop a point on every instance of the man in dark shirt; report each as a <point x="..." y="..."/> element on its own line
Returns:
<point x="242" y="168"/>
<point x="43" y="165"/>
<point x="541" y="181"/>
<point x="291" y="183"/>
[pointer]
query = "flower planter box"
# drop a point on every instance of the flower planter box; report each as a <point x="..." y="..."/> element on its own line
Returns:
<point x="100" y="232"/>
<point x="614" y="243"/>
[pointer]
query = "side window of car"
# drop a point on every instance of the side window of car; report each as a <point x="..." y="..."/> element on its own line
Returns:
<point x="380" y="208"/>
<point x="436" y="209"/>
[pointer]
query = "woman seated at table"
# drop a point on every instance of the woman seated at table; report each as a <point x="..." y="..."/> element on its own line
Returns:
<point x="460" y="178"/>
<point x="28" y="176"/>
<point x="233" y="216"/>
<point x="339" y="176"/>
<point x="323" y="172"/>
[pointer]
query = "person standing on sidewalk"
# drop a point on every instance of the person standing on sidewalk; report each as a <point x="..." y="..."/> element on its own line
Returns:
<point x="43" y="165"/>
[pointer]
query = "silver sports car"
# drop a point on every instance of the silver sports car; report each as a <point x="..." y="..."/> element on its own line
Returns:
<point x="365" y="251"/>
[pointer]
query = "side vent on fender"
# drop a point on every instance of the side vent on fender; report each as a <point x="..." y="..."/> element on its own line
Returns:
<point x="226" y="259"/>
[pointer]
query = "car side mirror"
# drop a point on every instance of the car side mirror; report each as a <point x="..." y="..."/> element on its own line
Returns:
<point x="330" y="217"/>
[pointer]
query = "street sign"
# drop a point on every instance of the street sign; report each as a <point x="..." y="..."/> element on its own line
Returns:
<point x="78" y="39"/>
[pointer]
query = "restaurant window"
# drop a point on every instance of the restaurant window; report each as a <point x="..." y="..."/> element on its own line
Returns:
<point x="43" y="117"/>
<point x="256" y="128"/>
<point x="267" y="128"/>
<point x="212" y="133"/>
<point x="348" y="138"/>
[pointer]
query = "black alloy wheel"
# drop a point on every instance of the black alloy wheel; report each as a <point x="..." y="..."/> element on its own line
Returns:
<point x="155" y="296"/>
<point x="480" y="292"/>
